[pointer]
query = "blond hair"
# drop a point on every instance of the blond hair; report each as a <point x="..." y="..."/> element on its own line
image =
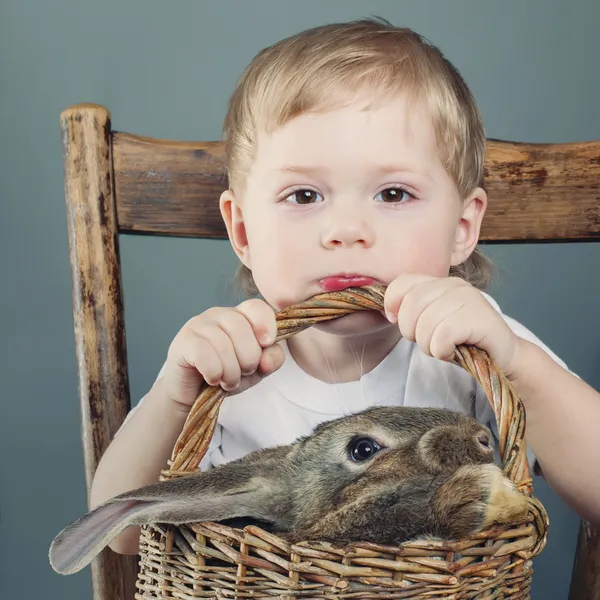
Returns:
<point x="323" y="67"/>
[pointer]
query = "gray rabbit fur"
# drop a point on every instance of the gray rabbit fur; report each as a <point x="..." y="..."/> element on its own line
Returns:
<point x="384" y="475"/>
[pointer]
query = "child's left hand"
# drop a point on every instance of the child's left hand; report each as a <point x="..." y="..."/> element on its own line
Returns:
<point x="440" y="313"/>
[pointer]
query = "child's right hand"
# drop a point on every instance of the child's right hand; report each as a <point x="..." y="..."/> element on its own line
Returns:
<point x="230" y="347"/>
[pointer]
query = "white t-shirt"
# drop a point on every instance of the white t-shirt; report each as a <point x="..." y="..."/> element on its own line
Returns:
<point x="289" y="403"/>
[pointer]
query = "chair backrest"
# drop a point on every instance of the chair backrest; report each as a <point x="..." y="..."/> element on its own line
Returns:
<point x="118" y="183"/>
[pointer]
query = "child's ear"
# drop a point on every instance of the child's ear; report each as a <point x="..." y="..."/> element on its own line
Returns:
<point x="469" y="226"/>
<point x="232" y="214"/>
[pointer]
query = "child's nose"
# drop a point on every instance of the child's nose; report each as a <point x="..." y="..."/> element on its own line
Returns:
<point x="346" y="232"/>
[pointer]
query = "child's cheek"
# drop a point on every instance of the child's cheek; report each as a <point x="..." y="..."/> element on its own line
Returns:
<point x="415" y="257"/>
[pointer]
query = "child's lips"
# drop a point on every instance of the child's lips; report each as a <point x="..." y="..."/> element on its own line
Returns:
<point x="336" y="283"/>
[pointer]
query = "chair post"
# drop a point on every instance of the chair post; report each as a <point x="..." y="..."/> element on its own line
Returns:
<point x="585" y="578"/>
<point x="97" y="310"/>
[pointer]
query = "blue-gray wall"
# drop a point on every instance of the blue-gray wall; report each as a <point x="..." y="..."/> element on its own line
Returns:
<point x="166" y="69"/>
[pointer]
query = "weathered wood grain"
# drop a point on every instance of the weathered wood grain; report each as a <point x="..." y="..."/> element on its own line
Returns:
<point x="585" y="579"/>
<point x="543" y="192"/>
<point x="169" y="188"/>
<point x="97" y="311"/>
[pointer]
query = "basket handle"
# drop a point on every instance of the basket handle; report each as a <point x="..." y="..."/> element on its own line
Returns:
<point x="193" y="442"/>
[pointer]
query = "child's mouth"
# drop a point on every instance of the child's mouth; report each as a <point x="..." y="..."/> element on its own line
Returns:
<point x="336" y="283"/>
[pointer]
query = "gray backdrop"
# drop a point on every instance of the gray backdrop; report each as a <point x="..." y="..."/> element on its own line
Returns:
<point x="166" y="69"/>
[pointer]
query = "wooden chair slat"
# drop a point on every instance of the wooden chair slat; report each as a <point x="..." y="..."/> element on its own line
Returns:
<point x="169" y="188"/>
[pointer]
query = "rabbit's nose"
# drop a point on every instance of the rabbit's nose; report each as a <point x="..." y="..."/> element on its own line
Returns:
<point x="483" y="439"/>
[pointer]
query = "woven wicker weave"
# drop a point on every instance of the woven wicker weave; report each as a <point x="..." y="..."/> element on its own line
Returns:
<point x="210" y="560"/>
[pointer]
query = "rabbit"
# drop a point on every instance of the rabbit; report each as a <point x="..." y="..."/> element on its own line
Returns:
<point x="385" y="475"/>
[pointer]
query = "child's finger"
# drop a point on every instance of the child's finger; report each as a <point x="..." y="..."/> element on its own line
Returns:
<point x="226" y="369"/>
<point x="454" y="330"/>
<point x="262" y="319"/>
<point x="398" y="289"/>
<point x="272" y="359"/>
<point x="417" y="301"/>
<point x="442" y="309"/>
<point x="243" y="339"/>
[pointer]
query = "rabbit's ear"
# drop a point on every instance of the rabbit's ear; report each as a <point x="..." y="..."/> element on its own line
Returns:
<point x="81" y="541"/>
<point x="211" y="496"/>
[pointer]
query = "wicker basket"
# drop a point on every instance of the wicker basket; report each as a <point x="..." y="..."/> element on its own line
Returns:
<point x="210" y="560"/>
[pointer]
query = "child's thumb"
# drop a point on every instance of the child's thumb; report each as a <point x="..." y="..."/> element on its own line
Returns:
<point x="272" y="358"/>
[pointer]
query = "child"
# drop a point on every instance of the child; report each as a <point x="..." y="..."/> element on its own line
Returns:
<point x="355" y="155"/>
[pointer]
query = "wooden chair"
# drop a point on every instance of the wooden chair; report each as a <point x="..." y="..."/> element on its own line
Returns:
<point x="118" y="183"/>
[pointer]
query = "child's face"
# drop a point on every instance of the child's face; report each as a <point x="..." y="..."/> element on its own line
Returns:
<point x="349" y="191"/>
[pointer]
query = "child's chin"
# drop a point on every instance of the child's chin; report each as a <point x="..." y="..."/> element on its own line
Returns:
<point x="357" y="323"/>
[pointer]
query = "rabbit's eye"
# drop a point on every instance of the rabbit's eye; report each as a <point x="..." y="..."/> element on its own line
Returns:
<point x="363" y="448"/>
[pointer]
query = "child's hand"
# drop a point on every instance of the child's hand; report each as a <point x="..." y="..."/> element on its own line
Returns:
<point x="440" y="313"/>
<point x="230" y="347"/>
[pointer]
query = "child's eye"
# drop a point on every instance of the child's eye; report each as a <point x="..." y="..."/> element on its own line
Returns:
<point x="303" y="197"/>
<point x="395" y="194"/>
